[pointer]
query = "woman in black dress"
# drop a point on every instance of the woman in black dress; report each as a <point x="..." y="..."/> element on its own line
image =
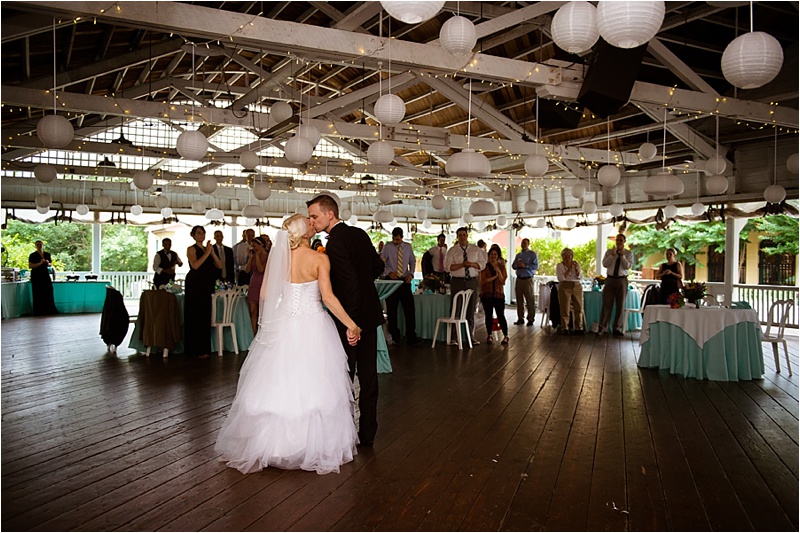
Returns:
<point x="41" y="285"/>
<point x="670" y="274"/>
<point x="198" y="287"/>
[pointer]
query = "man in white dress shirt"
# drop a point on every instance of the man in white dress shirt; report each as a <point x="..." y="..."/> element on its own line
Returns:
<point x="241" y="252"/>
<point x="465" y="261"/>
<point x="618" y="261"/>
<point x="438" y="253"/>
<point x="398" y="256"/>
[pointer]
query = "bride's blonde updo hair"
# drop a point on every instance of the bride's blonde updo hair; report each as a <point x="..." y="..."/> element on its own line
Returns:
<point x="296" y="227"/>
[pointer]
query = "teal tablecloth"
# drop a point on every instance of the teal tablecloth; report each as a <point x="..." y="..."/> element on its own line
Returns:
<point x="241" y="318"/>
<point x="17" y="299"/>
<point x="385" y="289"/>
<point x="593" y="304"/>
<point x="69" y="296"/>
<point x="428" y="308"/>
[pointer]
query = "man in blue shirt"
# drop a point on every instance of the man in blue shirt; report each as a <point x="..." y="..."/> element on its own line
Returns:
<point x="398" y="256"/>
<point x="526" y="263"/>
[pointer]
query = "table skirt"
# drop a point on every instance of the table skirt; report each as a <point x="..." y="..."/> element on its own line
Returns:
<point x="69" y="296"/>
<point x="593" y="305"/>
<point x="428" y="308"/>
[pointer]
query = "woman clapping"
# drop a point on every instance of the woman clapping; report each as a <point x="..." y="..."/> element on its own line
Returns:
<point x="568" y="272"/>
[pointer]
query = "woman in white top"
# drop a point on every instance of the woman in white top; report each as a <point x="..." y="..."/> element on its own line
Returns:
<point x="570" y="291"/>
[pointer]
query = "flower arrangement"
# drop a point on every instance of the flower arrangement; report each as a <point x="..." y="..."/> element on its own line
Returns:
<point x="600" y="280"/>
<point x="694" y="291"/>
<point x="321" y="249"/>
<point x="431" y="283"/>
<point x="675" y="300"/>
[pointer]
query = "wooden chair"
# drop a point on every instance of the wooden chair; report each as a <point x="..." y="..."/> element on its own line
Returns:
<point x="781" y="307"/>
<point x="457" y="321"/>
<point x="230" y="299"/>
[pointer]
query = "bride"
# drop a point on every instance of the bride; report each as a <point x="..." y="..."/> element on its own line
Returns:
<point x="294" y="404"/>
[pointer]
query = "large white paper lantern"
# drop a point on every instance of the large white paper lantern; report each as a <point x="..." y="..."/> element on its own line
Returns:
<point x="198" y="206"/>
<point x="55" y="131"/>
<point x="422" y="214"/>
<point x="774" y="194"/>
<point x="578" y="190"/>
<point x="648" y="151"/>
<point x="192" y="145"/>
<point x="345" y="214"/>
<point x="383" y="216"/>
<point x="482" y="208"/>
<point x="502" y="221"/>
<point x="438" y="201"/>
<point x="207" y="184"/>
<point x="390" y="109"/>
<point x="663" y="185"/>
<point x="136" y="210"/>
<point x="541" y="223"/>
<point x="309" y="132"/>
<point x="83" y="209"/>
<point x="574" y="27"/>
<point x="45" y="173"/>
<point x="458" y="36"/>
<point x="792" y="163"/>
<point x="531" y="207"/>
<point x="166" y="212"/>
<point x="615" y="210"/>
<point x="608" y="175"/>
<point x="104" y="201"/>
<point x="380" y="153"/>
<point x="536" y="165"/>
<point x="249" y="160"/>
<point x="715" y="165"/>
<point x="143" y="180"/>
<point x="468" y="164"/>
<point x="385" y="196"/>
<point x="412" y="12"/>
<point x="467" y="218"/>
<point x="698" y="209"/>
<point x="589" y="207"/>
<point x="670" y="211"/>
<point x="752" y="60"/>
<point x="571" y="223"/>
<point x="716" y="184"/>
<point x="161" y="201"/>
<point x="261" y="190"/>
<point x="280" y="111"/>
<point x="298" y="150"/>
<point x="42" y="210"/>
<point x="253" y="211"/>
<point x="214" y="214"/>
<point x="43" y="199"/>
<point x="629" y="24"/>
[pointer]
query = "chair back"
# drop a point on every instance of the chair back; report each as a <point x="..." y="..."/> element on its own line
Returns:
<point x="463" y="297"/>
<point x="649" y="296"/>
<point x="230" y="299"/>
<point x="709" y="299"/>
<point x="780" y="308"/>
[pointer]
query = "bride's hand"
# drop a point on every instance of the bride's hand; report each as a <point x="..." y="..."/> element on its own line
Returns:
<point x="353" y="335"/>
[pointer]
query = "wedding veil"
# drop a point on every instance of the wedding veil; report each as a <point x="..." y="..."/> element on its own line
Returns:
<point x="275" y="300"/>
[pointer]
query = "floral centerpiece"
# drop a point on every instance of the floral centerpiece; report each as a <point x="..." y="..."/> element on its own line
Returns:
<point x="432" y="283"/>
<point x="675" y="300"/>
<point x="599" y="281"/>
<point x="694" y="291"/>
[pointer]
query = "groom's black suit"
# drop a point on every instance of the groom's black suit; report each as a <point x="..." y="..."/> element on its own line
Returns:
<point x="354" y="266"/>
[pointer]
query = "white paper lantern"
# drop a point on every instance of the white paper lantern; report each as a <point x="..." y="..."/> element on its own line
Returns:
<point x="608" y="175"/>
<point x="166" y="212"/>
<point x="629" y="24"/>
<point x="161" y="201"/>
<point x="531" y="207"/>
<point x="698" y="209"/>
<point x="792" y="163"/>
<point x="104" y="201"/>
<point x="82" y="209"/>
<point x="578" y="190"/>
<point x="55" y="131"/>
<point x="385" y="196"/>
<point x="589" y="207"/>
<point x="468" y="164"/>
<point x="536" y="165"/>
<point x="249" y="160"/>
<point x="502" y="221"/>
<point x="615" y="210"/>
<point x="390" y="109"/>
<point x="380" y="153"/>
<point x="648" y="151"/>
<point x="412" y="12"/>
<point x="716" y="184"/>
<point x="43" y="199"/>
<point x="298" y="150"/>
<point x="715" y="165"/>
<point x="207" y="184"/>
<point x="136" y="210"/>
<point x="43" y="210"/>
<point x="261" y="190"/>
<point x="253" y="211"/>
<point x="541" y="223"/>
<point x="774" y="194"/>
<point x="571" y="223"/>
<point x="458" y="36"/>
<point x="249" y="222"/>
<point x="752" y="60"/>
<point x="422" y="214"/>
<point x="143" y="180"/>
<point x="480" y="225"/>
<point x="198" y="206"/>
<point x="663" y="185"/>
<point x="192" y="145"/>
<point x="383" y="216"/>
<point x="574" y="27"/>
<point x="214" y="214"/>
<point x="670" y="211"/>
<point x="345" y="214"/>
<point x="44" y="173"/>
<point x="467" y="218"/>
<point x="279" y="112"/>
<point x="309" y="132"/>
<point x="438" y="201"/>
<point x="353" y="220"/>
<point x="426" y="224"/>
<point x="482" y="208"/>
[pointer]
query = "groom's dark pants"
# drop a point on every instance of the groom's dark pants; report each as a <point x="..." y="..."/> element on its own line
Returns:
<point x="363" y="361"/>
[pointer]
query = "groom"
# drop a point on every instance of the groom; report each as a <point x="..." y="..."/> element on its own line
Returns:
<point x="354" y="267"/>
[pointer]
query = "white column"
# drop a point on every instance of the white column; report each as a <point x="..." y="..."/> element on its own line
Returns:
<point x="602" y="231"/>
<point x="733" y="227"/>
<point x="511" y="247"/>
<point x="96" y="266"/>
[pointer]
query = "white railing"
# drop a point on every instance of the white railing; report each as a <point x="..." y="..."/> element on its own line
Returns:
<point x="761" y="298"/>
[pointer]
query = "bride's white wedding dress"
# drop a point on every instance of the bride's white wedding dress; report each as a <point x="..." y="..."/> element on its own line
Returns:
<point x="294" y="403"/>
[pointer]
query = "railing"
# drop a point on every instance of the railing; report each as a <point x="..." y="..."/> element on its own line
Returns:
<point x="761" y="298"/>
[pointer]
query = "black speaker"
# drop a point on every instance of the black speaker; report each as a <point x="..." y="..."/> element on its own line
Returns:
<point x="610" y="77"/>
<point x="558" y="115"/>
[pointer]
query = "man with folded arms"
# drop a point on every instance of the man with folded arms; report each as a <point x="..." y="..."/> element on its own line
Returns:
<point x="526" y="263"/>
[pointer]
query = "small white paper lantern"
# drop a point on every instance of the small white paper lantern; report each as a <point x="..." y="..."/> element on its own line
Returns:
<point x="792" y="163"/>
<point x="253" y="211"/>
<point x="531" y="207"/>
<point x="380" y="153"/>
<point x="426" y="224"/>
<point x="345" y="214"/>
<point x="143" y="180"/>
<point x="438" y="201"/>
<point x="198" y="206"/>
<point x="480" y="225"/>
<point x="43" y="199"/>
<point x="458" y="36"/>
<point x="663" y="185"/>
<point x="578" y="190"/>
<point x="629" y="24"/>
<point x="467" y="218"/>
<point x="83" y="209"/>
<point x="615" y="210"/>
<point x="249" y="160"/>
<point x="574" y="27"/>
<point x="214" y="214"/>
<point x="136" y="210"/>
<point x="752" y="60"/>
<point x="192" y="145"/>
<point x="104" y="201"/>
<point x="482" y="208"/>
<point x="298" y="150"/>
<point x="670" y="211"/>
<point x="422" y="214"/>
<point x="385" y="195"/>
<point x="608" y="175"/>
<point x="353" y="220"/>
<point x="55" y="131"/>
<point x="412" y="12"/>
<point x="309" y="132"/>
<point x="571" y="223"/>
<point x="541" y="223"/>
<point x="166" y="212"/>
<point x="207" y="184"/>
<point x="43" y="210"/>
<point x="502" y="221"/>
<point x="648" y="151"/>
<point x="715" y="165"/>
<point x="261" y="190"/>
<point x="536" y="165"/>
<point x="698" y="209"/>
<point x="468" y="164"/>
<point x="716" y="184"/>
<point x="383" y="216"/>
<point x="589" y="207"/>
<point x="390" y="109"/>
<point x="280" y="111"/>
<point x="774" y="194"/>
<point x="249" y="222"/>
<point x="45" y="173"/>
<point x="161" y="202"/>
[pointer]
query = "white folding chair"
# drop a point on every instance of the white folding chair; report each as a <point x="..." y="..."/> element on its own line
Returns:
<point x="782" y="307"/>
<point x="709" y="299"/>
<point x="230" y="299"/>
<point x="544" y="302"/>
<point x="628" y="311"/>
<point x="457" y="321"/>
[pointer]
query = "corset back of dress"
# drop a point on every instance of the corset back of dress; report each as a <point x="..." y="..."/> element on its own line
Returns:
<point x="306" y="298"/>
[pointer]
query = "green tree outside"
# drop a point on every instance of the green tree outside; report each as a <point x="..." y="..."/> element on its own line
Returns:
<point x="124" y="248"/>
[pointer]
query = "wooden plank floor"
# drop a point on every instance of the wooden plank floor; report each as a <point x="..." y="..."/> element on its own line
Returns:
<point x="549" y="433"/>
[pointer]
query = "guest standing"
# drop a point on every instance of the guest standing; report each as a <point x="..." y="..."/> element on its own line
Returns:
<point x="526" y="263"/>
<point x="493" y="279"/>
<point x="225" y="254"/>
<point x="256" y="264"/>
<point x="465" y="261"/>
<point x="568" y="272"/>
<point x="164" y="264"/>
<point x="398" y="256"/>
<point x="671" y="276"/>
<point x="618" y="261"/>
<point x="241" y="254"/>
<point x="437" y="257"/>
<point x="41" y="285"/>
<point x="199" y="286"/>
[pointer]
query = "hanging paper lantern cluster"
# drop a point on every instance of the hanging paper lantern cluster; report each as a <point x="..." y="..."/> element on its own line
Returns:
<point x="55" y="131"/>
<point x="752" y="60"/>
<point x="468" y="164"/>
<point x="574" y="27"/>
<point x="458" y="36"/>
<point x="629" y="24"/>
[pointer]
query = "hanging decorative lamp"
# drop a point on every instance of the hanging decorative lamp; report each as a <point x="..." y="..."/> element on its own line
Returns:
<point x="390" y="109"/>
<point x="648" y="151"/>
<point x="629" y="24"/>
<point x="143" y="180"/>
<point x="716" y="184"/>
<point x="615" y="210"/>
<point x="385" y="195"/>
<point x="45" y="173"/>
<point x="198" y="206"/>
<point x="531" y="207"/>
<point x="192" y="145"/>
<point x="458" y="36"/>
<point x="261" y="191"/>
<point x="422" y="214"/>
<point x="54" y="130"/>
<point x="578" y="190"/>
<point x="775" y="193"/>
<point x="670" y="211"/>
<point x="43" y="200"/>
<point x="280" y="112"/>
<point x="380" y="153"/>
<point x="83" y="209"/>
<point x="298" y="150"/>
<point x="207" y="184"/>
<point x="502" y="221"/>
<point x="482" y="208"/>
<point x="438" y="202"/>
<point x="792" y="163"/>
<point x="663" y="184"/>
<point x="249" y="160"/>
<point x="752" y="60"/>
<point x="574" y="27"/>
<point x="136" y="210"/>
<point x="412" y="12"/>
<point x="468" y="163"/>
